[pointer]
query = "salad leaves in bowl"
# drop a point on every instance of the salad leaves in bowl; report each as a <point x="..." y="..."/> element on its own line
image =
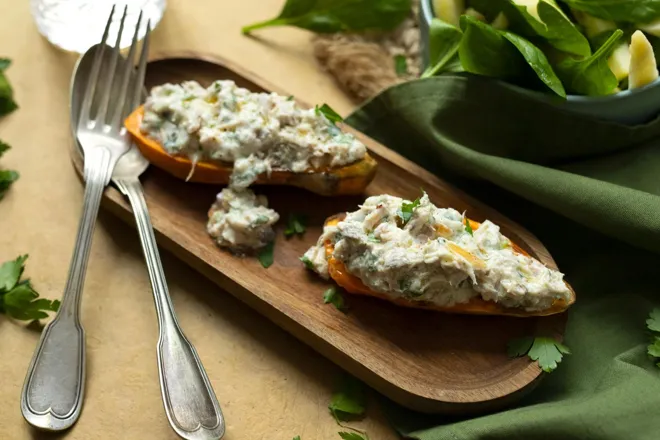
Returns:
<point x="594" y="57"/>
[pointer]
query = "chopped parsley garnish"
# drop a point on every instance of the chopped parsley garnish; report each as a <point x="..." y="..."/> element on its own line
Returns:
<point x="307" y="262"/>
<point x="296" y="437"/>
<point x="653" y="324"/>
<point x="372" y="238"/>
<point x="261" y="220"/>
<point x="468" y="226"/>
<point x="329" y="113"/>
<point x="18" y="298"/>
<point x="334" y="297"/>
<point x="407" y="209"/>
<point x="547" y="351"/>
<point x="266" y="255"/>
<point x="295" y="225"/>
<point x="400" y="65"/>
<point x="290" y="98"/>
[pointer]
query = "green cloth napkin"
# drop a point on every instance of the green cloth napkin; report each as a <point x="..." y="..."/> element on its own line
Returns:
<point x="590" y="190"/>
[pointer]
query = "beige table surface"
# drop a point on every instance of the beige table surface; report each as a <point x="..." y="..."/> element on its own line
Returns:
<point x="270" y="385"/>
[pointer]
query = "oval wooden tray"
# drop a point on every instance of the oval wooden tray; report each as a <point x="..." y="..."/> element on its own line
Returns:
<point x="427" y="361"/>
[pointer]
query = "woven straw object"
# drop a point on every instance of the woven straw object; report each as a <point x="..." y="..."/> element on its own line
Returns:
<point x="363" y="64"/>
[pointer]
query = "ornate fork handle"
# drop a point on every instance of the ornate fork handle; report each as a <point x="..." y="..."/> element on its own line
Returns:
<point x="190" y="403"/>
<point x="55" y="382"/>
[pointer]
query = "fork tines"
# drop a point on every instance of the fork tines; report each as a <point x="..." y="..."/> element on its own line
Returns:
<point x="115" y="79"/>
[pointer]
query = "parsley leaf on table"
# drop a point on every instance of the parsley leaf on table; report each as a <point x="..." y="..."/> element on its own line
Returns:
<point x="334" y="297"/>
<point x="7" y="103"/>
<point x="653" y="324"/>
<point x="295" y="225"/>
<point x="519" y="347"/>
<point x="547" y="351"/>
<point x="296" y="437"/>
<point x="266" y="255"/>
<point x="17" y="298"/>
<point x="7" y="177"/>
<point x="351" y="436"/>
<point x="10" y="273"/>
<point x="349" y="401"/>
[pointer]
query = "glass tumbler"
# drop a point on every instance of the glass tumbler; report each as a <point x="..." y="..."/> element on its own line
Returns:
<point x="76" y="25"/>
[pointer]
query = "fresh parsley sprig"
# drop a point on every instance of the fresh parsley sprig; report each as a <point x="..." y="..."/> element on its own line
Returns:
<point x="547" y="351"/>
<point x="329" y="113"/>
<point x="295" y="225"/>
<point x="349" y="402"/>
<point x="333" y="296"/>
<point x="266" y="255"/>
<point x="468" y="226"/>
<point x="18" y="298"/>
<point x="407" y="209"/>
<point x="653" y="324"/>
<point x="307" y="262"/>
<point x="7" y="103"/>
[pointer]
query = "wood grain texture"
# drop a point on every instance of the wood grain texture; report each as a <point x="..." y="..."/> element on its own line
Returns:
<point x="427" y="361"/>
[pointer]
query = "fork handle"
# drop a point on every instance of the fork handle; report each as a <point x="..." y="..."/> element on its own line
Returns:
<point x="190" y="403"/>
<point x="54" y="386"/>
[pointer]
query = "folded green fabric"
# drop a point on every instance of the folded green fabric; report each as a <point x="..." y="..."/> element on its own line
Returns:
<point x="590" y="190"/>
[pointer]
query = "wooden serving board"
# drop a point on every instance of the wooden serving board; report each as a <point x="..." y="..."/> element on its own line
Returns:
<point x="427" y="361"/>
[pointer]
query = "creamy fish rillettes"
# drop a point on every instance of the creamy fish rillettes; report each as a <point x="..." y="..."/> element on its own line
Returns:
<point x="256" y="132"/>
<point x="417" y="251"/>
<point x="241" y="220"/>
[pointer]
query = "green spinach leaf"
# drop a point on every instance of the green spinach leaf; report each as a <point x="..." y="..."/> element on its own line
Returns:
<point x="484" y="51"/>
<point x="537" y="60"/>
<point x="550" y="24"/>
<point x="591" y="76"/>
<point x="501" y="54"/>
<point x="631" y="11"/>
<point x="330" y="16"/>
<point x="444" y="40"/>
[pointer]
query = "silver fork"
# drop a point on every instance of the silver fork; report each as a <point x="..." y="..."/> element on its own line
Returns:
<point x="190" y="403"/>
<point x="55" y="382"/>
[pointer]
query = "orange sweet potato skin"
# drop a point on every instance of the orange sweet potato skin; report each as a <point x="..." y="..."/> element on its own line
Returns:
<point x="476" y="306"/>
<point x="347" y="180"/>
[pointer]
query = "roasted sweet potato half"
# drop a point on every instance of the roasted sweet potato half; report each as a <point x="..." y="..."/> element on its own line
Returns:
<point x="346" y="180"/>
<point x="476" y="306"/>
